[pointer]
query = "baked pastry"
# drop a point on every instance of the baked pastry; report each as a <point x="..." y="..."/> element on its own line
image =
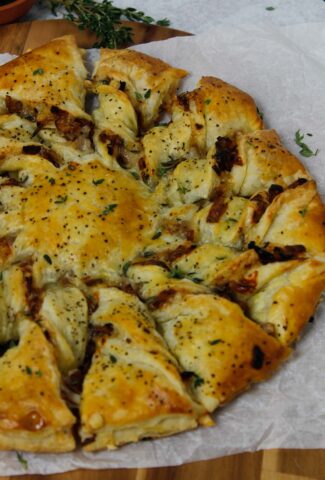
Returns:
<point x="150" y="272"/>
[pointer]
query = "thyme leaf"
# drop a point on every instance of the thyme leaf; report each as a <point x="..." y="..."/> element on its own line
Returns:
<point x="109" y="208"/>
<point x="305" y="151"/>
<point x="98" y="182"/>
<point x="38" y="71"/>
<point x="22" y="460"/>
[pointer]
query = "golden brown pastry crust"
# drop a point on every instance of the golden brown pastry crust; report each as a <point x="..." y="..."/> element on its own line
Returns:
<point x="133" y="389"/>
<point x="53" y="72"/>
<point x="264" y="161"/>
<point x="33" y="416"/>
<point x="150" y="272"/>
<point x="149" y="82"/>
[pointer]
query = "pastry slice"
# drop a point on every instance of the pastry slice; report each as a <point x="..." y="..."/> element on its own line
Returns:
<point x="217" y="110"/>
<point x="64" y="316"/>
<point x="192" y="180"/>
<point x="133" y="389"/>
<point x="55" y="75"/>
<point x="295" y="217"/>
<point x="149" y="82"/>
<point x="33" y="416"/>
<point x="225" y="220"/>
<point x="282" y="297"/>
<point x="116" y="129"/>
<point x="214" y="265"/>
<point x="264" y="162"/>
<point x="164" y="147"/>
<point x="13" y="302"/>
<point x="221" y="351"/>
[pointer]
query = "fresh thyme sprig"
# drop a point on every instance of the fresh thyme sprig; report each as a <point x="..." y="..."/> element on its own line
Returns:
<point x="103" y="19"/>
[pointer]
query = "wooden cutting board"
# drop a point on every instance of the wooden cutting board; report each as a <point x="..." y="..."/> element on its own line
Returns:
<point x="19" y="37"/>
<point x="263" y="465"/>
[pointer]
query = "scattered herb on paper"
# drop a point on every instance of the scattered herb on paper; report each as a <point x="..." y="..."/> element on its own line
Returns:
<point x="22" y="460"/>
<point x="305" y="151"/>
<point x="270" y="9"/>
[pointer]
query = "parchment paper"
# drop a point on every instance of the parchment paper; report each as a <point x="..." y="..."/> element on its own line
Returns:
<point x="284" y="70"/>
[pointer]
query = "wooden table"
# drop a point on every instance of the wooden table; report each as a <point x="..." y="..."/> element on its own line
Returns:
<point x="264" y="465"/>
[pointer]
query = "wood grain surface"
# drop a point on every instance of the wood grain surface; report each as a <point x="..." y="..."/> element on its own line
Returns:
<point x="19" y="37"/>
<point x="263" y="465"/>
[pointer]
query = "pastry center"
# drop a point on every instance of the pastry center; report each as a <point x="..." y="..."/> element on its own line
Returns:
<point x="84" y="221"/>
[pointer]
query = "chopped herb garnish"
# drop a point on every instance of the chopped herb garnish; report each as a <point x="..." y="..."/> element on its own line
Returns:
<point x="61" y="199"/>
<point x="28" y="370"/>
<point x="113" y="359"/>
<point x="148" y="253"/>
<point x="233" y="220"/>
<point x="175" y="272"/>
<point x="24" y="179"/>
<point x="166" y="166"/>
<point x="260" y="113"/>
<point x="161" y="171"/>
<point x="182" y="189"/>
<point x="304" y="149"/>
<point x="198" y="381"/>
<point x="135" y="175"/>
<point x="48" y="259"/>
<point x="39" y="373"/>
<point x="207" y="101"/>
<point x="109" y="208"/>
<point x="270" y="9"/>
<point x="156" y="235"/>
<point x="147" y="94"/>
<point x="38" y="71"/>
<point x="98" y="182"/>
<point x="303" y="212"/>
<point x="216" y="341"/>
<point x="138" y="95"/>
<point x="22" y="460"/>
<point x="126" y="267"/>
<point x="51" y="181"/>
<point x="197" y="280"/>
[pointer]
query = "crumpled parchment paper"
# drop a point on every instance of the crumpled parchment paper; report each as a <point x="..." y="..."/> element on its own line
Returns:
<point x="283" y="68"/>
